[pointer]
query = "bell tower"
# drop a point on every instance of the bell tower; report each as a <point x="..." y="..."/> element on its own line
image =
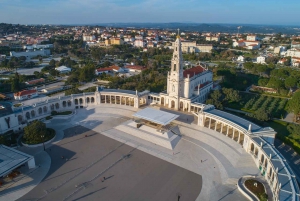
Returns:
<point x="175" y="75"/>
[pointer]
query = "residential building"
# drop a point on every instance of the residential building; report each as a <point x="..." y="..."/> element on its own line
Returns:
<point x="252" y="37"/>
<point x="293" y="52"/>
<point x="135" y="68"/>
<point x="212" y="38"/>
<point x="114" y="41"/>
<point x="30" y="54"/>
<point x="240" y="59"/>
<point x="295" y="61"/>
<point x="192" y="46"/>
<point x="279" y="49"/>
<point x="100" y="71"/>
<point x="26" y="94"/>
<point x="139" y="43"/>
<point x="295" y="44"/>
<point x="37" y="81"/>
<point x="63" y="69"/>
<point x="87" y="37"/>
<point x="261" y="60"/>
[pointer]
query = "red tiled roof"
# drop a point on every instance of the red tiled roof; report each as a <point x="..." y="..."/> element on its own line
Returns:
<point x="25" y="92"/>
<point x="135" y="67"/>
<point x="36" y="81"/>
<point x="193" y="71"/>
<point x="104" y="69"/>
<point x="202" y="85"/>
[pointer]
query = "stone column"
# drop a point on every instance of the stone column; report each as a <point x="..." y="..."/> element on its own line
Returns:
<point x="239" y="137"/>
<point x="221" y="128"/>
<point x="209" y="123"/>
<point x="216" y="125"/>
<point x="227" y="130"/>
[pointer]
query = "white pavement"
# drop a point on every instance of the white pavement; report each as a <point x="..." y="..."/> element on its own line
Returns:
<point x="223" y="160"/>
<point x="30" y="179"/>
<point x="220" y="160"/>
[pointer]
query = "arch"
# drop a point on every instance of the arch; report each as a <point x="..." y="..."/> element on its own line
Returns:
<point x="270" y="172"/>
<point x="80" y="100"/>
<point x="64" y="103"/>
<point x="92" y="100"/>
<point x="113" y="99"/>
<point x="40" y="110"/>
<point x="266" y="163"/>
<point x="76" y="101"/>
<point x="45" y="109"/>
<point x="52" y="107"/>
<point x="162" y="101"/>
<point x="107" y="99"/>
<point x="27" y="115"/>
<point x="172" y="104"/>
<point x="69" y="103"/>
<point x="118" y="100"/>
<point x="262" y="158"/>
<point x="57" y="105"/>
<point x="181" y="105"/>
<point x="20" y="119"/>
<point x="102" y="99"/>
<point x="252" y="147"/>
<point x="88" y="100"/>
<point x="256" y="151"/>
<point x="32" y="113"/>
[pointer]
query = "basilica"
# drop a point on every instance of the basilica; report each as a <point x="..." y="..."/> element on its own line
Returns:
<point x="185" y="86"/>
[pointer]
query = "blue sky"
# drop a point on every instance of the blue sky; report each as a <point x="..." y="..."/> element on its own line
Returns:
<point x="100" y="11"/>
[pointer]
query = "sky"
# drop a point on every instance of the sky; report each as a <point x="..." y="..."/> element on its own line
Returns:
<point x="275" y="12"/>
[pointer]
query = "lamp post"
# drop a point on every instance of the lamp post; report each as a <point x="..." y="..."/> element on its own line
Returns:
<point x="178" y="196"/>
<point x="43" y="137"/>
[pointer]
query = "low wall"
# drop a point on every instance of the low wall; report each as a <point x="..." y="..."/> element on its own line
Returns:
<point x="38" y="145"/>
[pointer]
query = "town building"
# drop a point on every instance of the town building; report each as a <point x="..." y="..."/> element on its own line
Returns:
<point x="63" y="69"/>
<point x="192" y="46"/>
<point x="36" y="81"/>
<point x="261" y="60"/>
<point x="100" y="71"/>
<point x="30" y="54"/>
<point x="212" y="38"/>
<point x="134" y="68"/>
<point x="26" y="94"/>
<point x="293" y="52"/>
<point x="114" y="41"/>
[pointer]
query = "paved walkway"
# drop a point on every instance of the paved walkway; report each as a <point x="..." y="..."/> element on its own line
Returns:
<point x="30" y="180"/>
<point x="220" y="160"/>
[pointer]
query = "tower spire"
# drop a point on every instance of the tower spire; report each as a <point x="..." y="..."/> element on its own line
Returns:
<point x="178" y="35"/>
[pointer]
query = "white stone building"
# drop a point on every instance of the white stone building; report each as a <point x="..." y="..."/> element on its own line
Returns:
<point x="261" y="60"/>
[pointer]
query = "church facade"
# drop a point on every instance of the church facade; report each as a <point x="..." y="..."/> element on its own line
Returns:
<point x="185" y="86"/>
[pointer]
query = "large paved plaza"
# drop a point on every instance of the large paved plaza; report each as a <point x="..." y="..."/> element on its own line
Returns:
<point x="137" y="177"/>
<point x="205" y="165"/>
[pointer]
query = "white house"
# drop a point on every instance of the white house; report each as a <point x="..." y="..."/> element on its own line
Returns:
<point x="139" y="43"/>
<point x="241" y="59"/>
<point x="100" y="71"/>
<point x="261" y="60"/>
<point x="63" y="69"/>
<point x="26" y="94"/>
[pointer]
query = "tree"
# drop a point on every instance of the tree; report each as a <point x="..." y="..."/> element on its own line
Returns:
<point x="215" y="99"/>
<point x="294" y="103"/>
<point x="231" y="95"/>
<point x="52" y="63"/>
<point x="34" y="131"/>
<point x="15" y="84"/>
<point x="261" y="114"/>
<point x="263" y="82"/>
<point x="290" y="82"/>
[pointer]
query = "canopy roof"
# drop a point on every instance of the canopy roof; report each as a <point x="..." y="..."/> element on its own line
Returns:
<point x="156" y="116"/>
<point x="11" y="159"/>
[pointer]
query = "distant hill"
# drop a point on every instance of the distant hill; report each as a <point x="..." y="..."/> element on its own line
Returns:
<point x="205" y="27"/>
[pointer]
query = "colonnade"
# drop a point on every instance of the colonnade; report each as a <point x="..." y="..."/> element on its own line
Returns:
<point x="226" y="129"/>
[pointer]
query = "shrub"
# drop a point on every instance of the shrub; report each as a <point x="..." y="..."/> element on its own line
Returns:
<point x="54" y="112"/>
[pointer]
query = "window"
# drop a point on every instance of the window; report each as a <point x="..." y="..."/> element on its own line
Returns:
<point x="174" y="69"/>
